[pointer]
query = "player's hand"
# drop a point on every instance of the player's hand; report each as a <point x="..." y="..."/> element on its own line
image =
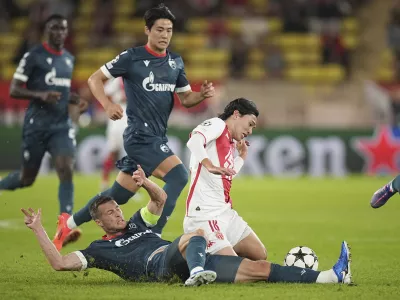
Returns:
<point x="221" y="171"/>
<point x="50" y="97"/>
<point x="207" y="90"/>
<point x="32" y="220"/>
<point x="114" y="111"/>
<point x="242" y="148"/>
<point x="139" y="176"/>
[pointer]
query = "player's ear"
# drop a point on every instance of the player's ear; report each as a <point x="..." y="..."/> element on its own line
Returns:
<point x="98" y="222"/>
<point x="146" y="30"/>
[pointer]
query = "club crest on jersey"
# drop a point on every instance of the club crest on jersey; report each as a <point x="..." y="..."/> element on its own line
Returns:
<point x="172" y="63"/>
<point x="51" y="79"/>
<point x="68" y="62"/>
<point x="164" y="148"/>
<point x="219" y="235"/>
<point x="149" y="85"/>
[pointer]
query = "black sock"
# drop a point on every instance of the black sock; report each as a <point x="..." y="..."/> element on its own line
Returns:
<point x="11" y="182"/>
<point x="117" y="192"/>
<point x="292" y="274"/>
<point x="196" y="252"/>
<point x="66" y="196"/>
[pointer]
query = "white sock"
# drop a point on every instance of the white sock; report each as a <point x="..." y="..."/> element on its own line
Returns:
<point x="195" y="270"/>
<point x="71" y="223"/>
<point x="327" y="277"/>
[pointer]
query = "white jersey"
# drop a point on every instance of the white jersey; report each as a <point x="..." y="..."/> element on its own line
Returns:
<point x="114" y="88"/>
<point x="209" y="193"/>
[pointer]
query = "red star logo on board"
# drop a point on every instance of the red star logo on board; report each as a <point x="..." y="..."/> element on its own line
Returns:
<point x="380" y="152"/>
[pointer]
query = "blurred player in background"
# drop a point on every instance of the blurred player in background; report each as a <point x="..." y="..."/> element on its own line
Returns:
<point x="114" y="88"/>
<point x="151" y="76"/>
<point x="212" y="167"/>
<point x="44" y="77"/>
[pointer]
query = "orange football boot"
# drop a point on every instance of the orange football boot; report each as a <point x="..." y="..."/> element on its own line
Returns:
<point x="64" y="235"/>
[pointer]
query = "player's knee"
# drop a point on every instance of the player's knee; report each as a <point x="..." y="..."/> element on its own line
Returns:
<point x="184" y="176"/>
<point x="200" y="232"/>
<point x="65" y="172"/>
<point x="263" y="253"/>
<point x="178" y="176"/>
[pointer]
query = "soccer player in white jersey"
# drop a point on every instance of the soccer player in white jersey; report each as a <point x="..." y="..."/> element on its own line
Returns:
<point x="114" y="88"/>
<point x="212" y="167"/>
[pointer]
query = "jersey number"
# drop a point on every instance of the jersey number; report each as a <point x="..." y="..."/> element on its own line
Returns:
<point x="213" y="225"/>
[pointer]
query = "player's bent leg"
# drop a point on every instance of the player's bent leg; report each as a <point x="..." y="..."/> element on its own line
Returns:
<point x="185" y="239"/>
<point x="32" y="151"/>
<point x="249" y="271"/>
<point x="19" y="179"/>
<point x="175" y="176"/>
<point x="192" y="247"/>
<point x="251" y="247"/>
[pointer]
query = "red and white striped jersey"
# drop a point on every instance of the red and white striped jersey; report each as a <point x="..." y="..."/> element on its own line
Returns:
<point x="209" y="193"/>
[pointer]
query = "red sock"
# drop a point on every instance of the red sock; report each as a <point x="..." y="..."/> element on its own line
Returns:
<point x="108" y="165"/>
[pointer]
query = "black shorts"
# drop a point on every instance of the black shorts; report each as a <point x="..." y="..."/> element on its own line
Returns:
<point x="35" y="143"/>
<point x="170" y="263"/>
<point x="148" y="152"/>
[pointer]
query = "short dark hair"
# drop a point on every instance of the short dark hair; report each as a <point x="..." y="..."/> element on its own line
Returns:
<point x="54" y="17"/>
<point x="159" y="12"/>
<point x="94" y="207"/>
<point x="243" y="105"/>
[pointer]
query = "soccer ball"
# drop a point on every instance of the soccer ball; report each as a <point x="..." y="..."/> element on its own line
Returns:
<point x="302" y="257"/>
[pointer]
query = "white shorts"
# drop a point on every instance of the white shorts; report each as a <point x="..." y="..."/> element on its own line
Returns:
<point x="115" y="139"/>
<point x="225" y="230"/>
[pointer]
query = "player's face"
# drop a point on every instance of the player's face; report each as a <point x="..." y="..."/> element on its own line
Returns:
<point x="57" y="31"/>
<point x="160" y="34"/>
<point x="244" y="125"/>
<point x="111" y="218"/>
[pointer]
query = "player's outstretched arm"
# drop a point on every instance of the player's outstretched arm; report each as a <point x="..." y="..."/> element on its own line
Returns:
<point x="157" y="194"/>
<point x="190" y="98"/>
<point x="96" y="85"/>
<point x="70" y="262"/>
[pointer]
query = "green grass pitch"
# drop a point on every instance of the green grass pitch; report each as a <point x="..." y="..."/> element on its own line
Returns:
<point x="318" y="213"/>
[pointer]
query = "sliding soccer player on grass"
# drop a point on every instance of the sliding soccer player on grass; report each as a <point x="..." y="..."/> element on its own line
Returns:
<point x="131" y="250"/>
